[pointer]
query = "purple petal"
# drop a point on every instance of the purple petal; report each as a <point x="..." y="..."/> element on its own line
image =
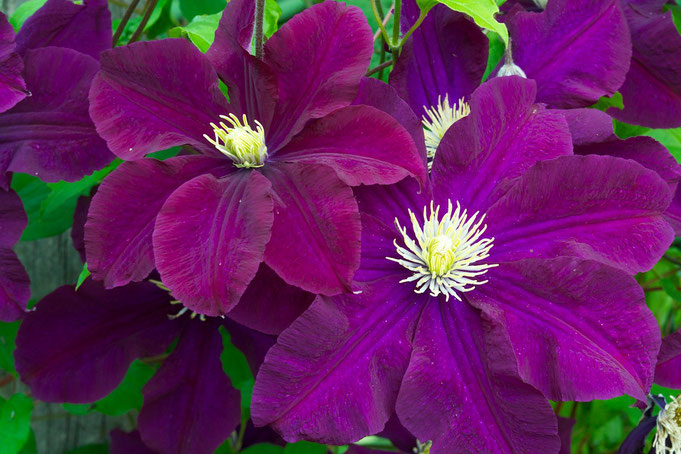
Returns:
<point x="77" y="345"/>
<point x="269" y="304"/>
<point x="347" y="353"/>
<point x="576" y="50"/>
<point x="447" y="55"/>
<point x="118" y="233"/>
<point x="378" y="94"/>
<point x="190" y="406"/>
<point x="339" y="64"/>
<point x="588" y="127"/>
<point x="652" y="90"/>
<point x="210" y="237"/>
<point x="145" y="100"/>
<point x="50" y="134"/>
<point x="78" y="228"/>
<point x="85" y="28"/>
<point x="12" y="85"/>
<point x="315" y="241"/>
<point x="400" y="437"/>
<point x="565" y="426"/>
<point x="668" y="369"/>
<point x="15" y="286"/>
<point x="595" y="207"/>
<point x="361" y="143"/>
<point x="580" y="330"/>
<point x="673" y="213"/>
<point x="13" y="218"/>
<point x="236" y="27"/>
<point x="253" y="344"/>
<point x="462" y="389"/>
<point x="127" y="443"/>
<point x="504" y="135"/>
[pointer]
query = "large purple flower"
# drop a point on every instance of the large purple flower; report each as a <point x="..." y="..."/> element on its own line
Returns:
<point x="12" y="85"/>
<point x="265" y="188"/>
<point x="49" y="134"/>
<point x="14" y="283"/>
<point x="508" y="279"/>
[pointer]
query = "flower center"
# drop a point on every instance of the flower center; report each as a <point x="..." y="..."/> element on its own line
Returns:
<point x="445" y="255"/>
<point x="437" y="121"/>
<point x="183" y="310"/>
<point x="668" y="437"/>
<point x="238" y="141"/>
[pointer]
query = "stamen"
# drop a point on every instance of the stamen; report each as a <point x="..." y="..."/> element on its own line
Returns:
<point x="445" y="258"/>
<point x="668" y="437"/>
<point x="182" y="311"/>
<point x="241" y="143"/>
<point x="438" y="120"/>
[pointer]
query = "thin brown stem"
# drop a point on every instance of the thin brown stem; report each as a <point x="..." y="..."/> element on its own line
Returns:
<point x="151" y="4"/>
<point x="6" y="380"/>
<point x="258" y="32"/>
<point x="154" y="359"/>
<point x="379" y="67"/>
<point x="124" y="21"/>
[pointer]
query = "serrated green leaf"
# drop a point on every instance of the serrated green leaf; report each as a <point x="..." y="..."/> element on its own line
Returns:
<point x="304" y="447"/>
<point x="201" y="30"/>
<point x="271" y="18"/>
<point x="128" y="395"/>
<point x="8" y="335"/>
<point x="15" y="423"/>
<point x="481" y="11"/>
<point x="23" y="12"/>
<point x="604" y="103"/>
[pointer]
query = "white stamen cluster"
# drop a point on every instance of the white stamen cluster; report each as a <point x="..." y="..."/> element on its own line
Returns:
<point x="669" y="429"/>
<point x="438" y="120"/>
<point x="446" y="253"/>
<point x="238" y="141"/>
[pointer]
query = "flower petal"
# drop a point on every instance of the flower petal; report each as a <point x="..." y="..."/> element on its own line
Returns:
<point x="209" y="239"/>
<point x="651" y="92"/>
<point x="190" y="406"/>
<point x="269" y="304"/>
<point x="347" y="353"/>
<point x="315" y="241"/>
<point x="50" y="134"/>
<point x="595" y="207"/>
<point x="118" y="233"/>
<point x="127" y="443"/>
<point x="77" y="345"/>
<point x="504" y="135"/>
<point x="361" y="143"/>
<point x="668" y="369"/>
<point x="576" y="50"/>
<point x="336" y="41"/>
<point x="145" y="100"/>
<point x="13" y="218"/>
<point x="588" y="127"/>
<point x="253" y="344"/>
<point x="446" y="55"/>
<point x="12" y="85"/>
<point x="565" y="426"/>
<point x="84" y="27"/>
<point x="15" y="286"/>
<point x="462" y="389"/>
<point x="580" y="330"/>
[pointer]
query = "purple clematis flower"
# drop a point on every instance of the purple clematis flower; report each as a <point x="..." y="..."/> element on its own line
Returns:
<point x="50" y="134"/>
<point x="14" y="282"/>
<point x="506" y="282"/>
<point x="266" y="191"/>
<point x="12" y="85"/>
<point x="76" y="346"/>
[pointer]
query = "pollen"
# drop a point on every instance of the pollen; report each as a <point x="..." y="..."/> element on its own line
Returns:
<point x="668" y="437"/>
<point x="238" y="141"/>
<point x="438" y="120"/>
<point x="445" y="255"/>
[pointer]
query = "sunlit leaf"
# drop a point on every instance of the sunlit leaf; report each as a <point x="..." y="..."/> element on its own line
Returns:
<point x="15" y="422"/>
<point x="482" y="12"/>
<point x="23" y="12"/>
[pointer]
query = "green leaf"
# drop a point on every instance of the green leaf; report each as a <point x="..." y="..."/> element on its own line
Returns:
<point x="90" y="449"/>
<point x="8" y="334"/>
<point x="496" y="53"/>
<point x="78" y="409"/>
<point x="604" y="103"/>
<point x="304" y="447"/>
<point x="624" y="130"/>
<point x="23" y="12"/>
<point x="160" y="19"/>
<point x="192" y="8"/>
<point x="236" y="367"/>
<point x="271" y="18"/>
<point x="84" y="274"/>
<point x="669" y="285"/>
<point x="263" y="448"/>
<point x="482" y="12"/>
<point x="201" y="30"/>
<point x="670" y="138"/>
<point x="128" y="395"/>
<point x="15" y="423"/>
<point x="30" y="447"/>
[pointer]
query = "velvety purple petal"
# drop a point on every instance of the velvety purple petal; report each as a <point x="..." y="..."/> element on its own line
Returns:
<point x="210" y="237"/>
<point x="190" y="406"/>
<point x="315" y="241"/>
<point x="446" y="55"/>
<point x="50" y="134"/>
<point x="346" y="353"/>
<point x="462" y="390"/>
<point x="118" y="233"/>
<point x="145" y="99"/>
<point x="504" y="135"/>
<point x="673" y="213"/>
<point x="565" y="426"/>
<point x="595" y="207"/>
<point x="580" y="330"/>
<point x="378" y="94"/>
<point x="82" y="27"/>
<point x="251" y="83"/>
<point x="13" y="218"/>
<point x="12" y="85"/>
<point x="269" y="304"/>
<point x="78" y="228"/>
<point x="576" y="50"/>
<point x="400" y="437"/>
<point x="253" y="344"/>
<point x="14" y="282"/>
<point x="127" y="443"/>
<point x="336" y="41"/>
<point x="362" y="144"/>
<point x="588" y="127"/>
<point x="651" y="92"/>
<point x="77" y="345"/>
<point x="668" y="369"/>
